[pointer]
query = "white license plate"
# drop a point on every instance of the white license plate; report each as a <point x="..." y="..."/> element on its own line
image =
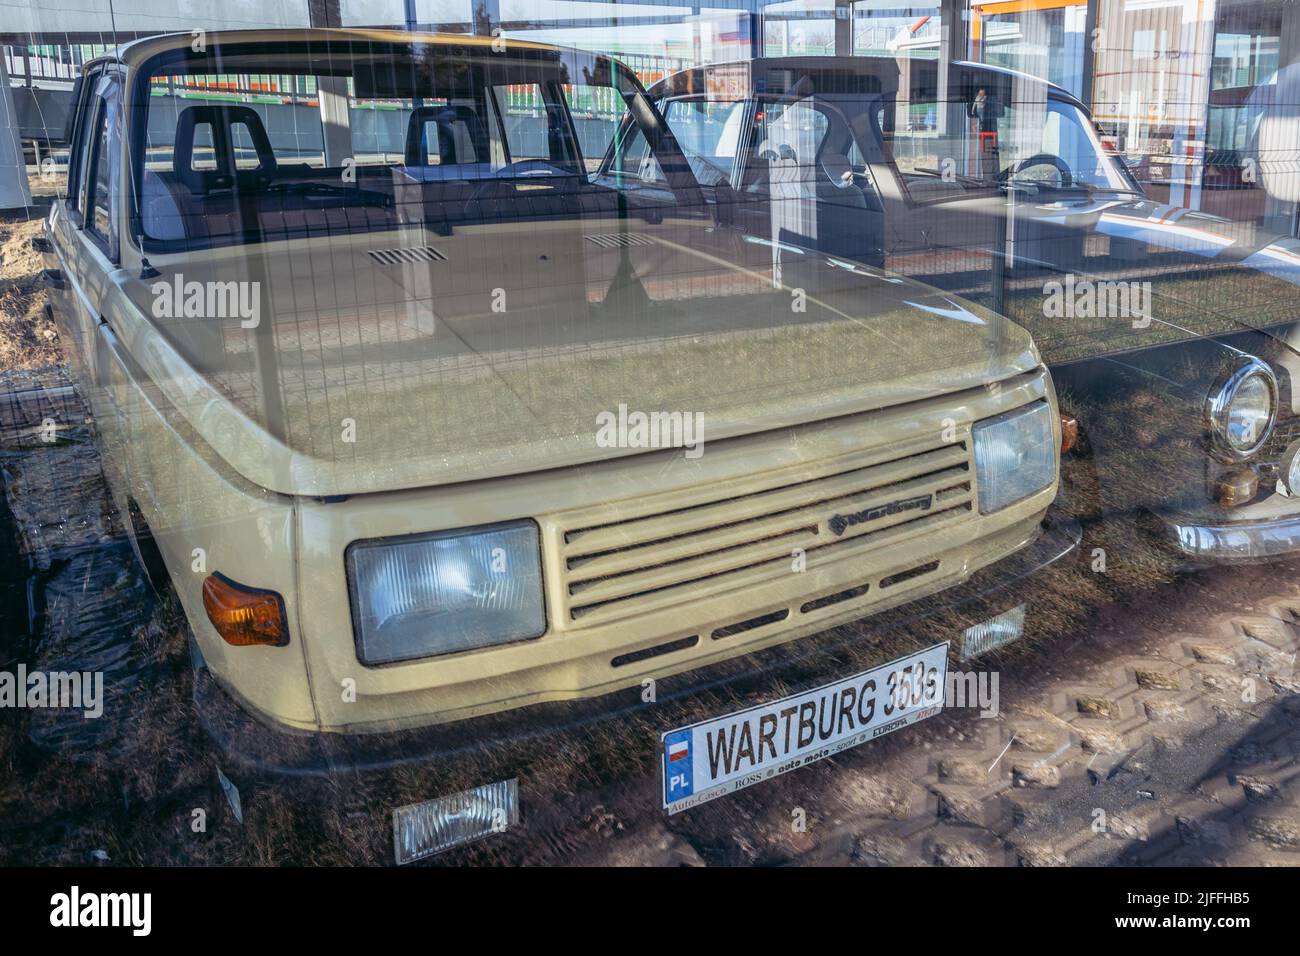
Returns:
<point x="720" y="756"/>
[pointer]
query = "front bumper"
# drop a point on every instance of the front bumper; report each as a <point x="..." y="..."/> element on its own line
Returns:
<point x="252" y="748"/>
<point x="1222" y="541"/>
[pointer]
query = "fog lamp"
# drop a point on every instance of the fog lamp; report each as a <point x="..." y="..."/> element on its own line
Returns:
<point x="423" y="829"/>
<point x="996" y="632"/>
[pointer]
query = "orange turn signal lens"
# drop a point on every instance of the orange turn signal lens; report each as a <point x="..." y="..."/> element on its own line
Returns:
<point x="244" y="616"/>
<point x="1236" y="488"/>
<point x="1069" y="432"/>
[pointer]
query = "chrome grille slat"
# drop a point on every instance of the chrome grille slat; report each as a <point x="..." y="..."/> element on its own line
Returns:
<point x="739" y="508"/>
<point x="744" y="532"/>
<point x="710" y="565"/>
<point x="708" y="540"/>
<point x="671" y="596"/>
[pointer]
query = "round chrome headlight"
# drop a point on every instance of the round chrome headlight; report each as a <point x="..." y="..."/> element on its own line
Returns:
<point x="1243" y="407"/>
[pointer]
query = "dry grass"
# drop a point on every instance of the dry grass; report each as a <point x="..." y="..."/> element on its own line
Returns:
<point x="28" y="339"/>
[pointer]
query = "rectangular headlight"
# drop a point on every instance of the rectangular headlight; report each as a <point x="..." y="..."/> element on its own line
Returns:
<point x="1015" y="455"/>
<point x="431" y="594"/>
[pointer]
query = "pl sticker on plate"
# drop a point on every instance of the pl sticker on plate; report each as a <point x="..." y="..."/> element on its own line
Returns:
<point x="720" y="756"/>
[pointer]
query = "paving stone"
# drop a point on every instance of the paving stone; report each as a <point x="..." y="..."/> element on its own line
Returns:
<point x="1101" y="741"/>
<point x="1165" y="710"/>
<point x="1097" y="707"/>
<point x="1156" y="680"/>
<point x="962" y="771"/>
<point x="1036" y="775"/>
<point x="1037" y="739"/>
<point x="1200" y="832"/>
<point x="1278" y="830"/>
<point x="958" y="807"/>
<point x="958" y="854"/>
<point x="1287" y="683"/>
<point x="1257" y="788"/>
<point x="1212" y="654"/>
<point x="878" y="850"/>
<point x="1048" y="855"/>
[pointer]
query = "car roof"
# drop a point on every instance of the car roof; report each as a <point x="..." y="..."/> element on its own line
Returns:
<point x="138" y="51"/>
<point x="694" y="79"/>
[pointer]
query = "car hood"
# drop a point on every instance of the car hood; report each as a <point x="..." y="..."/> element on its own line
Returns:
<point x="1177" y="229"/>
<point x="1231" y="276"/>
<point x="396" y="360"/>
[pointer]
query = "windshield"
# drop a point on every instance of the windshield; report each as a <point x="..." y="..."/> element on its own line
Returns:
<point x="1066" y="134"/>
<point x="250" y="142"/>
<point x="1015" y="134"/>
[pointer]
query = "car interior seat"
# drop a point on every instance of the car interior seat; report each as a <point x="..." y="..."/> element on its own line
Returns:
<point x="461" y="136"/>
<point x="226" y="173"/>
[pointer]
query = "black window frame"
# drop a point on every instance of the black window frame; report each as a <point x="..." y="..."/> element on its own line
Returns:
<point x="107" y="106"/>
<point x="83" y="97"/>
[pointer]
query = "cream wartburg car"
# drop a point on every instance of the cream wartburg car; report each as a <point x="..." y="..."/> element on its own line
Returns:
<point x="431" y="409"/>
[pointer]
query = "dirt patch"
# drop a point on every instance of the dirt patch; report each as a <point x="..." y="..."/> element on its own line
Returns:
<point x="28" y="339"/>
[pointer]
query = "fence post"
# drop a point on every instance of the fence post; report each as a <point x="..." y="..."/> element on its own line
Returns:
<point x="14" y="191"/>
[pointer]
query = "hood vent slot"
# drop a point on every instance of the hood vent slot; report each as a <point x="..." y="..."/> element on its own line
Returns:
<point x="396" y="257"/>
<point x="616" y="240"/>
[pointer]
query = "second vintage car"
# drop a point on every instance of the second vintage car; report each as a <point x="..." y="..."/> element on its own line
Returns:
<point x="1172" y="334"/>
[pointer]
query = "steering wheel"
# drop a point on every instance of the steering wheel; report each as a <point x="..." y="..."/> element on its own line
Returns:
<point x="1040" y="159"/>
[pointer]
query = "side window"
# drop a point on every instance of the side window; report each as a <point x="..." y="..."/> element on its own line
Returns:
<point x="204" y="156"/>
<point x="101" y="182"/>
<point x="79" y="145"/>
<point x="632" y="156"/>
<point x="788" y="137"/>
<point x="935" y="164"/>
<point x="707" y="129"/>
<point x="102" y="200"/>
<point x="532" y="124"/>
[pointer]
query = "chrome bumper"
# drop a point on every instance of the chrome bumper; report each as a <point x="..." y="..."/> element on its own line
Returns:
<point x="1232" y="541"/>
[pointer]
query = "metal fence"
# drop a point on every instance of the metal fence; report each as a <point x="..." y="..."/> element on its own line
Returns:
<point x="32" y="63"/>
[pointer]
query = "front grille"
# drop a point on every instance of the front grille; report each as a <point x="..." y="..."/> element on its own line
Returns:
<point x="1284" y="434"/>
<point x="643" y="562"/>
